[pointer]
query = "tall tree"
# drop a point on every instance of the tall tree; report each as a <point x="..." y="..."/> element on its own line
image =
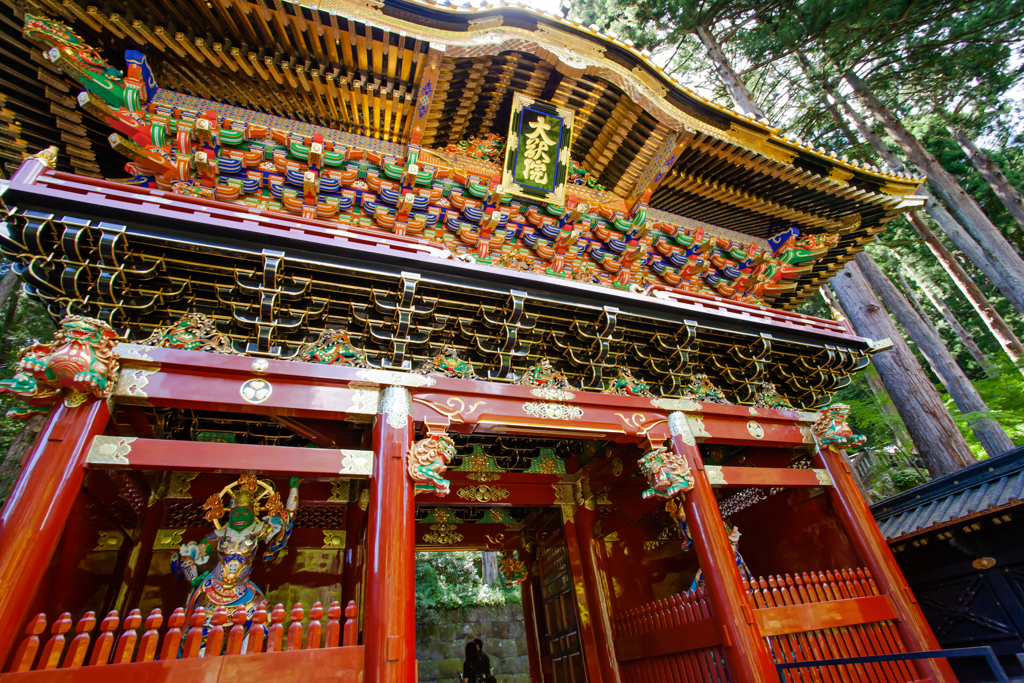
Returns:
<point x="993" y="175"/>
<point x="939" y="442"/>
<point x="988" y="431"/>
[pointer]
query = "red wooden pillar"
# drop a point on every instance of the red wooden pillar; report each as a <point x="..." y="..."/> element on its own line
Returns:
<point x="860" y="526"/>
<point x="389" y="630"/>
<point x="33" y="518"/>
<point x="597" y="595"/>
<point x="530" y="617"/>
<point x="585" y="617"/>
<point x="744" y="649"/>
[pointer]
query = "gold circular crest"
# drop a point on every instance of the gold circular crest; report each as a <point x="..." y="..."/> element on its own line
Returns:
<point x="616" y="467"/>
<point x="255" y="390"/>
<point x="984" y="563"/>
<point x="260" y="365"/>
<point x="756" y="430"/>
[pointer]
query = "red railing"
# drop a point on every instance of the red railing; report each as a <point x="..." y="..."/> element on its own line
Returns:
<point x="120" y="642"/>
<point x="828" y="615"/>
<point x="803" y="618"/>
<point x="674" y="640"/>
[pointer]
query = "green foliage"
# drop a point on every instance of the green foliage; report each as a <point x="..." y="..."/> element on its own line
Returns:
<point x="23" y="322"/>
<point x="907" y="478"/>
<point x="452" y="580"/>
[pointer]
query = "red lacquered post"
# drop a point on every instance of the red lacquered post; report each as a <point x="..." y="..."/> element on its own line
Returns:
<point x="80" y="645"/>
<point x="126" y="644"/>
<point x="25" y="657"/>
<point x="236" y="635"/>
<point x="313" y="635"/>
<point x="860" y="526"/>
<point x="33" y="518"/>
<point x="55" y="646"/>
<point x="333" y="635"/>
<point x="172" y="639"/>
<point x="389" y="625"/>
<point x="351" y="635"/>
<point x="295" y="629"/>
<point x="597" y="598"/>
<point x="744" y="649"/>
<point x="151" y="638"/>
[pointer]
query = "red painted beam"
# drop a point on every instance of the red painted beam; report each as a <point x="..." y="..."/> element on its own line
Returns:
<point x="115" y="452"/>
<point x="693" y="636"/>
<point x="778" y="621"/>
<point x="766" y="476"/>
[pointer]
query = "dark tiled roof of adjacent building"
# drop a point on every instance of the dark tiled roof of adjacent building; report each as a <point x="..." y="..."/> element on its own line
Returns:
<point x="988" y="486"/>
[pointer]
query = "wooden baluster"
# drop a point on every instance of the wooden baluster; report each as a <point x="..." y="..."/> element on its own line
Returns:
<point x="126" y="643"/>
<point x="822" y="637"/>
<point x="705" y="668"/>
<point x="54" y="647"/>
<point x="841" y="636"/>
<point x="295" y="629"/>
<point x="25" y="657"/>
<point x="275" y="639"/>
<point x="810" y="639"/>
<point x="713" y="656"/>
<point x="215" y="637"/>
<point x="886" y="629"/>
<point x="194" y="638"/>
<point x="661" y="621"/>
<point x="686" y="657"/>
<point x="237" y="634"/>
<point x="105" y="643"/>
<point x="151" y="638"/>
<point x="781" y="647"/>
<point x="657" y="671"/>
<point x="258" y="632"/>
<point x="835" y="651"/>
<point x="833" y="589"/>
<point x="351" y="635"/>
<point x="333" y="634"/>
<point x="172" y="639"/>
<point x="79" y="646"/>
<point x="677" y="659"/>
<point x="868" y="631"/>
<point x="803" y="642"/>
<point x="316" y="613"/>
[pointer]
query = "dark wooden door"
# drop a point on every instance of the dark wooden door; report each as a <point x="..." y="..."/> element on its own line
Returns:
<point x="563" y="638"/>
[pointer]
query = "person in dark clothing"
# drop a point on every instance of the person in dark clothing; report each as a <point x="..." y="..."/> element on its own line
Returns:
<point x="483" y="655"/>
<point x="473" y="670"/>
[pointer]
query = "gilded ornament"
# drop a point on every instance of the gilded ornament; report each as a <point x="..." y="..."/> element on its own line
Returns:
<point x="396" y="406"/>
<point x="110" y="450"/>
<point x="47" y="157"/>
<point x="399" y="379"/>
<point x="428" y="459"/>
<point x="768" y="397"/>
<point x="552" y="394"/>
<point x="448" y="364"/>
<point x="260" y="365"/>
<point x="808" y="435"/>
<point x="75" y="399"/>
<point x="832" y="431"/>
<point x="192" y="332"/>
<point x="255" y="390"/>
<point x="553" y="411"/>
<point x="679" y="425"/>
<point x="715" y="476"/>
<point x="356" y="463"/>
<point x="334" y="539"/>
<point x="364" y="401"/>
<point x="823" y="478"/>
<point x="512" y="568"/>
<point x="484" y="476"/>
<point x="81" y="358"/>
<point x="701" y="388"/>
<point x="616" y="467"/>
<point x="627" y="385"/>
<point x="442" y="534"/>
<point x="341" y="490"/>
<point x="332" y="347"/>
<point x="497" y="515"/>
<point x="543" y="375"/>
<point x="132" y="382"/>
<point x="364" y="499"/>
<point x="683" y="404"/>
<point x="168" y="539"/>
<point x="483" y="493"/>
<point x="697" y="428"/>
<point x="443" y="514"/>
<point x="108" y="540"/>
<point x="755" y="429"/>
<point x="129" y="351"/>
<point x="667" y="472"/>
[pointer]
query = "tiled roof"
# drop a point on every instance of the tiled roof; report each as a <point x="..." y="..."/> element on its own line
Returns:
<point x="988" y="486"/>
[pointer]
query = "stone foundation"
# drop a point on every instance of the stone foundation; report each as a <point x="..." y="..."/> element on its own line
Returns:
<point x="441" y="643"/>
